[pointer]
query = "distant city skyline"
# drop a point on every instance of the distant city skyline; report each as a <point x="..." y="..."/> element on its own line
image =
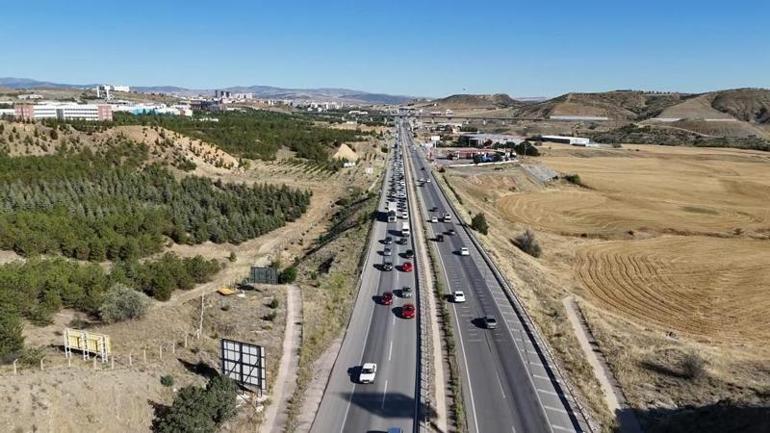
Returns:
<point x="429" y="49"/>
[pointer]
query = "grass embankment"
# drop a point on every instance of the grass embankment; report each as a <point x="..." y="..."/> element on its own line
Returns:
<point x="447" y="334"/>
<point x="328" y="276"/>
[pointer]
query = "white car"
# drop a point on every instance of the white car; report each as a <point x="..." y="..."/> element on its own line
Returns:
<point x="447" y="216"/>
<point x="464" y="251"/>
<point x="433" y="219"/>
<point x="427" y="180"/>
<point x="404" y="215"/>
<point x="458" y="296"/>
<point x="368" y="373"/>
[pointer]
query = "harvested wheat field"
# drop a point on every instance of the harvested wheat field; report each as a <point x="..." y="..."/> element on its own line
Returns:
<point x="667" y="250"/>
<point x="702" y="192"/>
<point x="712" y="289"/>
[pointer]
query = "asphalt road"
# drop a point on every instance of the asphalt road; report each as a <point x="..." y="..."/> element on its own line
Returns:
<point x="506" y="387"/>
<point x="376" y="333"/>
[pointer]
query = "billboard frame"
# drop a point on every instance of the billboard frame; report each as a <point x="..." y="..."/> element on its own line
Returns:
<point x="244" y="362"/>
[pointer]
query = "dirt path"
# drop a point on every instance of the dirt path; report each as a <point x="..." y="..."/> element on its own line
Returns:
<point x="612" y="394"/>
<point x="286" y="379"/>
<point x="315" y="391"/>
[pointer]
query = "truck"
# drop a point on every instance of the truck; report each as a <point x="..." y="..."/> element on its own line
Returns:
<point x="392" y="212"/>
<point x="405" y="229"/>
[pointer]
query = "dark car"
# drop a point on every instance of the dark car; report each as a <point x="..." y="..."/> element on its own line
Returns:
<point x="490" y="322"/>
<point x="387" y="266"/>
<point x="402" y="241"/>
<point x="406" y="292"/>
<point x="386" y="298"/>
<point x="439" y="238"/>
<point x="388" y="240"/>
<point x="408" y="254"/>
<point x="451" y="232"/>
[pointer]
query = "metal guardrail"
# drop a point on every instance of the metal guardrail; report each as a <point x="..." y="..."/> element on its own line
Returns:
<point x="538" y="342"/>
<point x="424" y="360"/>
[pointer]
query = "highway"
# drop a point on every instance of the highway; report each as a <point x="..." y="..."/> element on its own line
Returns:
<point x="506" y="386"/>
<point x="376" y="333"/>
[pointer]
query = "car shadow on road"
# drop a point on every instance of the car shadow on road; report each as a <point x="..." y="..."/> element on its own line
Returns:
<point x="391" y="405"/>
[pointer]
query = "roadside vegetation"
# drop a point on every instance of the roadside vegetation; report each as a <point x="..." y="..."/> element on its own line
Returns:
<point x="479" y="223"/>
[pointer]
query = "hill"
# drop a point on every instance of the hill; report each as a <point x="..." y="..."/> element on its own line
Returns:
<point x="479" y="102"/>
<point x="617" y="105"/>
<point x="748" y="105"/>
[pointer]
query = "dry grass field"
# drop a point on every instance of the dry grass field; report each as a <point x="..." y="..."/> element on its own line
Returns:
<point x="668" y="250"/>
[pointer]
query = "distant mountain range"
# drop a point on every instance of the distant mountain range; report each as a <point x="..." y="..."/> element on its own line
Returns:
<point x="322" y="94"/>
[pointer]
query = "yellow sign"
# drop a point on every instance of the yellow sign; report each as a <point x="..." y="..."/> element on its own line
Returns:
<point x="85" y="341"/>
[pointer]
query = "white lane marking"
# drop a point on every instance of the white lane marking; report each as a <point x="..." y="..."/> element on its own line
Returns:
<point x="500" y="384"/>
<point x="470" y="387"/>
<point x="545" y="391"/>
<point x="556" y="409"/>
<point x="390" y="352"/>
<point x="558" y="427"/>
<point x="540" y="376"/>
<point x="384" y="393"/>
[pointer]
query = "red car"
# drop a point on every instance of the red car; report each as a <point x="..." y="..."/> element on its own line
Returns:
<point x="407" y="267"/>
<point x="387" y="298"/>
<point x="407" y="311"/>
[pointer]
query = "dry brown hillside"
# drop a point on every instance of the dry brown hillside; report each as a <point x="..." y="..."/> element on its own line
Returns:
<point x="619" y="105"/>
<point x="165" y="146"/>
<point x="748" y="105"/>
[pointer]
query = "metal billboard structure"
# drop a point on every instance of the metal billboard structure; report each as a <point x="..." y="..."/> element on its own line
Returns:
<point x="87" y="343"/>
<point x="244" y="363"/>
<point x="263" y="275"/>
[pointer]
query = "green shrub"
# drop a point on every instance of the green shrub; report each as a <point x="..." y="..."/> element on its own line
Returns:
<point x="479" y="223"/>
<point x="167" y="380"/>
<point x="123" y="303"/>
<point x="11" y="337"/>
<point x="528" y="243"/>
<point x="288" y="275"/>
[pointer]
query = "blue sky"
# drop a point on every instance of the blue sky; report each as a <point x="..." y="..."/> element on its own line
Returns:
<point x="424" y="48"/>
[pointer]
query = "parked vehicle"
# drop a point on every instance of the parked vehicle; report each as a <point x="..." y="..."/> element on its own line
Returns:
<point x="405" y="229"/>
<point x="407" y="267"/>
<point x="406" y="292"/>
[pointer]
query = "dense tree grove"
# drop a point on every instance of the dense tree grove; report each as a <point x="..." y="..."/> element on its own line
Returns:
<point x="254" y="134"/>
<point x="38" y="287"/>
<point x="108" y="206"/>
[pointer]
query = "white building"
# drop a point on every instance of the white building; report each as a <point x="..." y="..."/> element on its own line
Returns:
<point x="63" y="111"/>
<point x="575" y="141"/>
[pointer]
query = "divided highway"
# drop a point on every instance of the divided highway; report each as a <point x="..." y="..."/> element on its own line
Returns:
<point x="506" y="387"/>
<point x="378" y="334"/>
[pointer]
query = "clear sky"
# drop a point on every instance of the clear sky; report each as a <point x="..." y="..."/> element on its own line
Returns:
<point x="422" y="48"/>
